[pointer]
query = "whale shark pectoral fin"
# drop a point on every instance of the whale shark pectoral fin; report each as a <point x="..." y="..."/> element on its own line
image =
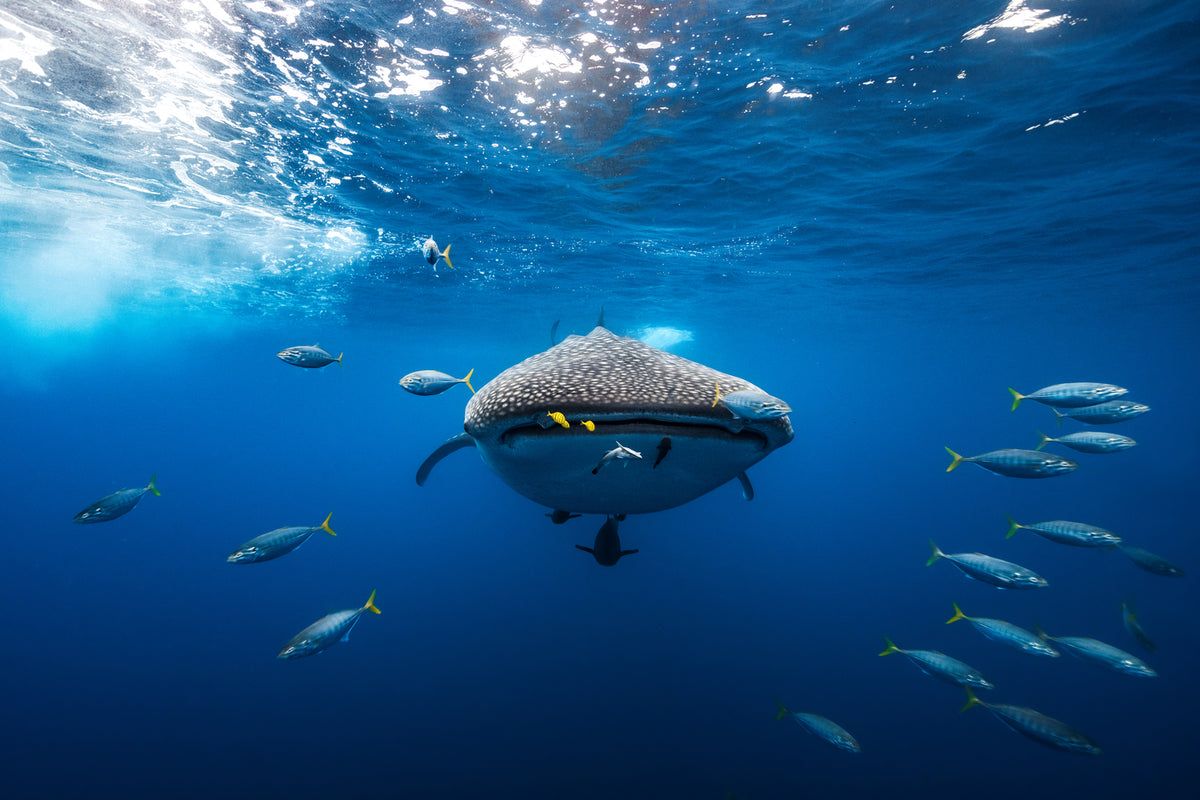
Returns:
<point x="585" y="549"/>
<point x="449" y="446"/>
<point x="747" y="489"/>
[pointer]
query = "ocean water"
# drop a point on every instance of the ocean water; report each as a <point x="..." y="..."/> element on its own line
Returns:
<point x="884" y="213"/>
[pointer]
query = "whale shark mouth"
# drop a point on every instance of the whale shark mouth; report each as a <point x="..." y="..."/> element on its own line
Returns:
<point x="641" y="426"/>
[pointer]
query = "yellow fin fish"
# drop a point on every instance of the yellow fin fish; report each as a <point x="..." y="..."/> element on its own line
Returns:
<point x="433" y="255"/>
<point x="591" y="426"/>
<point x="558" y="417"/>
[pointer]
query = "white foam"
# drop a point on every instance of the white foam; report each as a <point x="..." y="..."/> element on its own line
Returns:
<point x="662" y="337"/>
<point x="21" y="44"/>
<point x="1020" y="17"/>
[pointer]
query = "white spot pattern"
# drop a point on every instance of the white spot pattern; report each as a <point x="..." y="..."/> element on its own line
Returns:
<point x="601" y="375"/>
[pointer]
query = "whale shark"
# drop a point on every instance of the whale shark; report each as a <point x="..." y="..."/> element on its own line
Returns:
<point x="543" y="425"/>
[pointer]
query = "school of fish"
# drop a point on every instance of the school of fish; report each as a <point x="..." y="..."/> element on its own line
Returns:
<point x="1090" y="403"/>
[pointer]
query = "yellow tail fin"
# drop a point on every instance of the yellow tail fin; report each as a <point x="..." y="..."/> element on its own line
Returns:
<point x="339" y="360"/>
<point x="891" y="647"/>
<point x="325" y="525"/>
<point x="958" y="614"/>
<point x="783" y="712"/>
<point x="1017" y="398"/>
<point x="150" y="487"/>
<point x="370" y="606"/>
<point x="446" y="257"/>
<point x="957" y="459"/>
<point x="1012" y="527"/>
<point x="972" y="700"/>
<point x="718" y="399"/>
<point x="467" y="380"/>
<point x="1045" y="440"/>
<point x="935" y="555"/>
<point x="1060" y="416"/>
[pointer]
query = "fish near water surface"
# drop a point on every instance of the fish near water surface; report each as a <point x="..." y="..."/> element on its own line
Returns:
<point x="825" y="729"/>
<point x="1037" y="726"/>
<point x="308" y="356"/>
<point x="433" y="254"/>
<point x="326" y="632"/>
<point x="276" y="543"/>
<point x="990" y="570"/>
<point x="632" y="391"/>
<point x="117" y="504"/>
<point x="1016" y="463"/>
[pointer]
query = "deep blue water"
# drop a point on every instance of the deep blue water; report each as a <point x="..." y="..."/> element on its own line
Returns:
<point x="884" y="213"/>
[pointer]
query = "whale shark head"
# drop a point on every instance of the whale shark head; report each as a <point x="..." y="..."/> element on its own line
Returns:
<point x="627" y="390"/>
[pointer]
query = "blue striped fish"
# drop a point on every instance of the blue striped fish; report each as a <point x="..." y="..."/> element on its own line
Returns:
<point x="1134" y="627"/>
<point x="1076" y="534"/>
<point x="310" y="356"/>
<point x="276" y="543"/>
<point x="823" y="728"/>
<point x="1105" y="655"/>
<point x="427" y="382"/>
<point x="1090" y="441"/>
<point x="990" y="570"/>
<point x="1070" y="395"/>
<point x="1017" y="463"/>
<point x="941" y="666"/>
<point x="1104" y="413"/>
<point x="1006" y="633"/>
<point x="117" y="504"/>
<point x="1150" y="562"/>
<point x="326" y="632"/>
<point x="1037" y="726"/>
<point x="752" y="404"/>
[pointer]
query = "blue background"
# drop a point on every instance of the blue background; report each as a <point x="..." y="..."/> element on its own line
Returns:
<point x="184" y="194"/>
